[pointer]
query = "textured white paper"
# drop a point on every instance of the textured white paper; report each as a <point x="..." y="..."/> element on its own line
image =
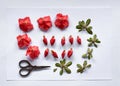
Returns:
<point x="101" y="62"/>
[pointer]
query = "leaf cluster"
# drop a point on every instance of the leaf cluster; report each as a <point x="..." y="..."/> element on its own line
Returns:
<point x="63" y="66"/>
<point x="88" y="54"/>
<point x="81" y="68"/>
<point x="93" y="41"/>
<point x="82" y="25"/>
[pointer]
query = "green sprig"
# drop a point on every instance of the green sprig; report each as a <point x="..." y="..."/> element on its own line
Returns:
<point x="88" y="54"/>
<point x="81" y="68"/>
<point x="82" y="25"/>
<point x="63" y="66"/>
<point x="93" y="41"/>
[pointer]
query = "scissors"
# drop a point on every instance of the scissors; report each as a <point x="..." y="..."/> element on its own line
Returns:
<point x="28" y="68"/>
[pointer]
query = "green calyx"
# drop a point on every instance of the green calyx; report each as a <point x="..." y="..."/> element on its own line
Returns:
<point x="88" y="54"/>
<point x="82" y="68"/>
<point x="93" y="41"/>
<point x="63" y="66"/>
<point x="82" y="25"/>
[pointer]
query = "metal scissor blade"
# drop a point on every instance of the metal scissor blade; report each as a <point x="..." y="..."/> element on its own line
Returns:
<point x="40" y="67"/>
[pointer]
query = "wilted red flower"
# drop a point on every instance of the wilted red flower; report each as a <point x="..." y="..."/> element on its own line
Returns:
<point x="23" y="41"/>
<point x="44" y="23"/>
<point x="25" y="24"/>
<point x="33" y="52"/>
<point x="61" y="21"/>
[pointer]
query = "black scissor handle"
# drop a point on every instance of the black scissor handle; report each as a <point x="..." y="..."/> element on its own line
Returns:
<point x="28" y="71"/>
<point x="26" y="62"/>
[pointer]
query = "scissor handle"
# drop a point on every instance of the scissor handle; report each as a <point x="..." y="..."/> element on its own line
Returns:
<point x="28" y="71"/>
<point x="26" y="62"/>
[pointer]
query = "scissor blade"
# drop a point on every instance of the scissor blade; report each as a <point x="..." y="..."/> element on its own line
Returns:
<point x="40" y="67"/>
<point x="43" y="66"/>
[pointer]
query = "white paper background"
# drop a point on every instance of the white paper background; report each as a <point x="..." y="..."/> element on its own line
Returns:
<point x="101" y="63"/>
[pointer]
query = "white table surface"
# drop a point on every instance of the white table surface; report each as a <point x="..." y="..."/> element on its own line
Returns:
<point x="114" y="4"/>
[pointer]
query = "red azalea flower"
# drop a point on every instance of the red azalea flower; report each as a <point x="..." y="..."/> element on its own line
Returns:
<point x="44" y="23"/>
<point x="52" y="40"/>
<point x="63" y="54"/>
<point x="61" y="21"/>
<point x="45" y="41"/>
<point x="63" y="41"/>
<point x="70" y="52"/>
<point x="71" y="39"/>
<point x="33" y="52"/>
<point x="54" y="54"/>
<point x="78" y="40"/>
<point x="25" y="24"/>
<point x="46" y="52"/>
<point x="23" y="41"/>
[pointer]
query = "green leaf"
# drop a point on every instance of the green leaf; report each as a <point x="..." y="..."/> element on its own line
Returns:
<point x="84" y="55"/>
<point x="90" y="27"/>
<point x="97" y="41"/>
<point x="61" y="62"/>
<point x="57" y="65"/>
<point x="89" y="30"/>
<point x="68" y="64"/>
<point x="88" y="50"/>
<point x="88" y="22"/>
<point x="80" y="70"/>
<point x="91" y="50"/>
<point x="54" y="70"/>
<point x="61" y="71"/>
<point x="95" y="45"/>
<point x="85" y="63"/>
<point x="90" y="44"/>
<point x="78" y="27"/>
<point x="89" y="40"/>
<point x="67" y="70"/>
<point x="79" y="22"/>
<point x="89" y="57"/>
<point x="94" y="37"/>
<point x="82" y="23"/>
<point x="88" y="66"/>
<point x="64" y="61"/>
<point x="79" y="66"/>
